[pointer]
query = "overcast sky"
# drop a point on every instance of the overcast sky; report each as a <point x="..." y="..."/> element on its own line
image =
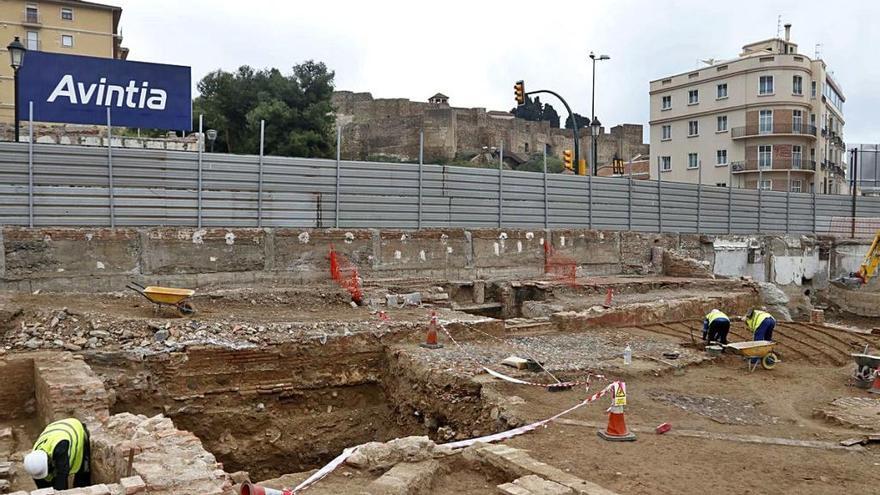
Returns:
<point x="474" y="50"/>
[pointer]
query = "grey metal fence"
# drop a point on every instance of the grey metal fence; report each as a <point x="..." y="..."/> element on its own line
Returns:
<point x="73" y="186"/>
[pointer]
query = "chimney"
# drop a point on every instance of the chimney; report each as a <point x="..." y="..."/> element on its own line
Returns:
<point x="788" y="32"/>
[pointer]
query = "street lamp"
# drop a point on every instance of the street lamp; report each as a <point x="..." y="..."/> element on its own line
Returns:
<point x="595" y="125"/>
<point x="593" y="122"/>
<point x="211" y="134"/>
<point x="16" y="59"/>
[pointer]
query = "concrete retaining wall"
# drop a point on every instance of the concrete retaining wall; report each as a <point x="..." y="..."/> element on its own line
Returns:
<point x="102" y="259"/>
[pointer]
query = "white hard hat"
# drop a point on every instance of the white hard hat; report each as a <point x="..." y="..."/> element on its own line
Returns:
<point x="37" y="464"/>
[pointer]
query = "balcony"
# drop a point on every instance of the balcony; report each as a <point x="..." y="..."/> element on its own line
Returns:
<point x="833" y="168"/>
<point x="779" y="165"/>
<point x="776" y="129"/>
<point x="32" y="19"/>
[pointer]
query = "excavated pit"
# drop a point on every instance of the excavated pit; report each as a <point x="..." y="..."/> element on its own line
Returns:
<point x="293" y="407"/>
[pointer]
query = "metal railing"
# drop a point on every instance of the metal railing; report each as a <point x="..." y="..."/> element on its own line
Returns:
<point x="31" y="18"/>
<point x="753" y="130"/>
<point x="777" y="164"/>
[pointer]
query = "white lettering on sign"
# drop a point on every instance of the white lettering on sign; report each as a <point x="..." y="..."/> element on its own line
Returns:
<point x="108" y="95"/>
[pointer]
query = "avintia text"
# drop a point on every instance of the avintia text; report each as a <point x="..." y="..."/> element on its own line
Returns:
<point x="103" y="94"/>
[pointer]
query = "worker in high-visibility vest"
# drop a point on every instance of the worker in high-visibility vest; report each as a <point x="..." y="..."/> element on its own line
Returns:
<point x="716" y="325"/>
<point x="761" y="323"/>
<point x="60" y="451"/>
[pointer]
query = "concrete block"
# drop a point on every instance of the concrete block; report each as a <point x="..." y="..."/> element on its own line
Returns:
<point x="536" y="485"/>
<point x="588" y="246"/>
<point x="206" y="250"/>
<point x="518" y="251"/>
<point x="69" y="252"/>
<point x="406" y="477"/>
<point x="307" y="251"/>
<point x="429" y="249"/>
<point x="133" y="485"/>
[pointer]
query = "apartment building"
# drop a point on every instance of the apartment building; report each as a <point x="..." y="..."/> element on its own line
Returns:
<point x="61" y="26"/>
<point x="770" y="118"/>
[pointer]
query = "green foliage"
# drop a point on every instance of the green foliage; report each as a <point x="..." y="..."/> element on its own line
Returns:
<point x="296" y="108"/>
<point x="536" y="164"/>
<point x="536" y="111"/>
<point x="582" y="122"/>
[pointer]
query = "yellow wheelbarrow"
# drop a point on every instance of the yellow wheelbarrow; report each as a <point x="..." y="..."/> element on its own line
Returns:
<point x="168" y="296"/>
<point x="755" y="352"/>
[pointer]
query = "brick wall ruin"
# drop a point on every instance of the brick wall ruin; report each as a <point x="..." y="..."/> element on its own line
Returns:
<point x="390" y="127"/>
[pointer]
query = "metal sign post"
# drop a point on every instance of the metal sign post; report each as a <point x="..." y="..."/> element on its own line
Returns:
<point x="110" y="169"/>
<point x="260" y="178"/>
<point x="546" y="199"/>
<point x="501" y="186"/>
<point x="338" y="165"/>
<point x="31" y="164"/>
<point x="421" y="173"/>
<point x="200" y="145"/>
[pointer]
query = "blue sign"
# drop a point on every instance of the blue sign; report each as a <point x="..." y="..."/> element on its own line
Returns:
<point x="79" y="90"/>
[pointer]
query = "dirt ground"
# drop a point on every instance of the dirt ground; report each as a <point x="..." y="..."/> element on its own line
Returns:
<point x="718" y="396"/>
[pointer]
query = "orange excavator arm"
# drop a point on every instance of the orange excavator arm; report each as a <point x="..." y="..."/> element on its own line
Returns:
<point x="868" y="269"/>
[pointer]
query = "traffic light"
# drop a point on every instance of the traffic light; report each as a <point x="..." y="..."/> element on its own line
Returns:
<point x="519" y="92"/>
<point x="567" y="160"/>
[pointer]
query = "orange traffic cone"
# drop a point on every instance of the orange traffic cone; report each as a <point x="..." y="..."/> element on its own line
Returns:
<point x="609" y="297"/>
<point x="431" y="337"/>
<point x="875" y="388"/>
<point x="617" y="430"/>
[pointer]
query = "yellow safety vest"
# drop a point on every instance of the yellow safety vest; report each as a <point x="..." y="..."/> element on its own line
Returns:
<point x="66" y="429"/>
<point x="757" y="318"/>
<point x="714" y="315"/>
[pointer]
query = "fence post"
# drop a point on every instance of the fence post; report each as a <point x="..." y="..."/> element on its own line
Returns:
<point x="854" y="158"/>
<point x="699" y="194"/>
<point x="546" y="199"/>
<point x="31" y="164"/>
<point x="729" y="199"/>
<point x="110" y="170"/>
<point x="199" y="192"/>
<point x="813" y="192"/>
<point x="629" y="199"/>
<point x="659" y="199"/>
<point x="788" y="202"/>
<point x="421" y="172"/>
<point x="338" y="165"/>
<point x="501" y="186"/>
<point x="590" y="204"/>
<point x="760" y="197"/>
<point x="260" y="179"/>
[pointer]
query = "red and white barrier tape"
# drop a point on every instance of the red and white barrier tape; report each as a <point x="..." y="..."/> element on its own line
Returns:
<point x="326" y="470"/>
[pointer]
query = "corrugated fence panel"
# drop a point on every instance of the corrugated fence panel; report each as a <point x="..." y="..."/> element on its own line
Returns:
<point x="159" y="187"/>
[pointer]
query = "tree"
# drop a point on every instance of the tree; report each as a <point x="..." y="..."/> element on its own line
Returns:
<point x="549" y="114"/>
<point x="296" y="107"/>
<point x="536" y="164"/>
<point x="582" y="122"/>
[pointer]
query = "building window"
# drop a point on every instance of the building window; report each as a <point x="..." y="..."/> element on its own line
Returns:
<point x="721" y="157"/>
<point x="31" y="14"/>
<point x="721" y="184"/>
<point x="665" y="163"/>
<point x="667" y="103"/>
<point x="693" y="97"/>
<point x="67" y="40"/>
<point x="795" y="186"/>
<point x="797" y="85"/>
<point x="796" y="156"/>
<point x="526" y="146"/>
<point x="765" y="85"/>
<point x="693" y="160"/>
<point x="66" y="14"/>
<point x="666" y="132"/>
<point x="32" y="41"/>
<point x="766" y="185"/>
<point x="765" y="156"/>
<point x="812" y="89"/>
<point x="693" y="128"/>
<point x="721" y="91"/>
<point x="765" y="122"/>
<point x="722" y="123"/>
<point x="797" y="121"/>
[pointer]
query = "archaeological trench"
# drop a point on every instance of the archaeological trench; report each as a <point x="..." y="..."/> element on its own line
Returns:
<point x="283" y="368"/>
